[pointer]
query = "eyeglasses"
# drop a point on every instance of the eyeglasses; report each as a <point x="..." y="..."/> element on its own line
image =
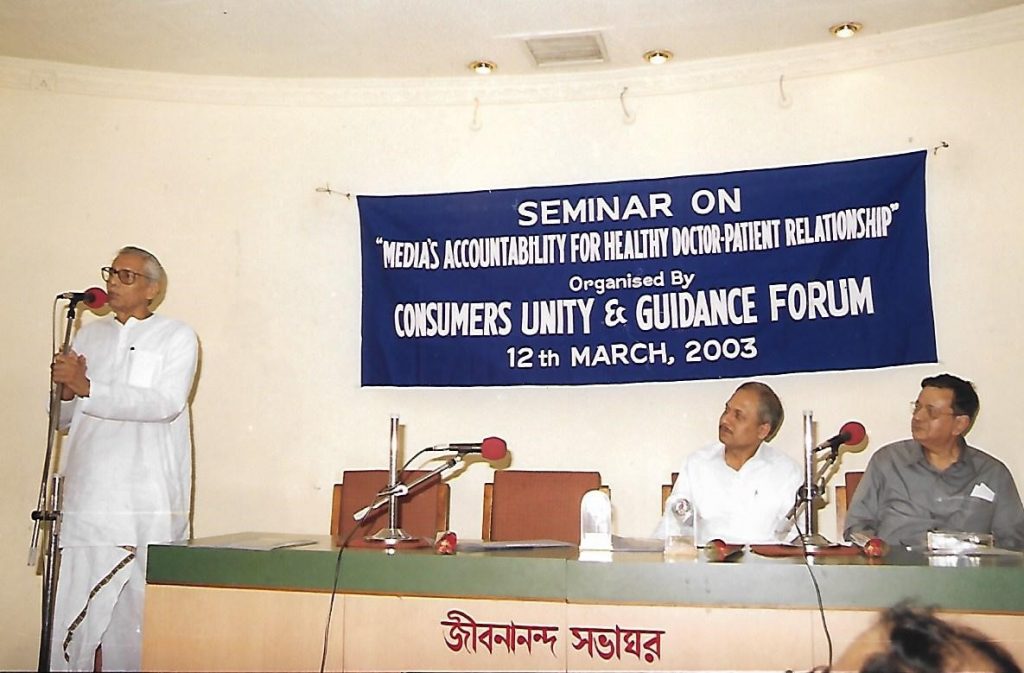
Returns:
<point x="932" y="412"/>
<point x="126" y="276"/>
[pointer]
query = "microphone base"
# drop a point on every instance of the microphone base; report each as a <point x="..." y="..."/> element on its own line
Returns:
<point x="391" y="536"/>
<point x="814" y="542"/>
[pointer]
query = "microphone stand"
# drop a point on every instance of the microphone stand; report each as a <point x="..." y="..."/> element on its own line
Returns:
<point x="392" y="534"/>
<point x="50" y="516"/>
<point x="401" y="490"/>
<point x="812" y="487"/>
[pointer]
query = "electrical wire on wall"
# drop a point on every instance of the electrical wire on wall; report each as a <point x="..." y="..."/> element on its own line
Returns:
<point x="476" y="124"/>
<point x="784" y="100"/>
<point x="326" y="189"/>
<point x="630" y="117"/>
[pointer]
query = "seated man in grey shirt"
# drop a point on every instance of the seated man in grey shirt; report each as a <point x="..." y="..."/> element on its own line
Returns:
<point x="936" y="481"/>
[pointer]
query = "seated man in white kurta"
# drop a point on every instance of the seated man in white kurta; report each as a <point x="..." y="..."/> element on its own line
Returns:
<point x="738" y="489"/>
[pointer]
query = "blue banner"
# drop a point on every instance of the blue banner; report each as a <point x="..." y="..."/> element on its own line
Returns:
<point x="796" y="269"/>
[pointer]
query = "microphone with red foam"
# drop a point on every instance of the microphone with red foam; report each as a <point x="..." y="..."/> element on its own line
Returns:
<point x="491" y="448"/>
<point x="851" y="434"/>
<point x="94" y="297"/>
<point x="874" y="547"/>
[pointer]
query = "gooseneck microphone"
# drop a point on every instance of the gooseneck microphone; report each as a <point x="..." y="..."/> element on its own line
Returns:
<point x="851" y="434"/>
<point x="94" y="297"/>
<point x="491" y="448"/>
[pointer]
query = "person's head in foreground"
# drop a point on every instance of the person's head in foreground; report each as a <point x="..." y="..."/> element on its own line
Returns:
<point x="920" y="642"/>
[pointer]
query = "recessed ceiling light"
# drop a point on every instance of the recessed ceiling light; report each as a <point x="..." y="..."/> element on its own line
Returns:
<point x="844" y="30"/>
<point x="482" y="67"/>
<point x="658" y="56"/>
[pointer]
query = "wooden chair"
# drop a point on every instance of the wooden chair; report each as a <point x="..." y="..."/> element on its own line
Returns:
<point x="536" y="505"/>
<point x="844" y="496"/>
<point x="422" y="513"/>
<point x="666" y="490"/>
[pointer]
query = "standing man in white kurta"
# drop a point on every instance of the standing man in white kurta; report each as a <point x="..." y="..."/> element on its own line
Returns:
<point x="127" y="463"/>
<point x="739" y="489"/>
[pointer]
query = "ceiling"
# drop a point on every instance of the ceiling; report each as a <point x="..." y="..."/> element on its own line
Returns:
<point x="430" y="38"/>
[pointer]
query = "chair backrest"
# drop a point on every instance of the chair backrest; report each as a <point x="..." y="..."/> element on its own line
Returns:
<point x="666" y="490"/>
<point x="422" y="513"/>
<point x="844" y="496"/>
<point x="536" y="505"/>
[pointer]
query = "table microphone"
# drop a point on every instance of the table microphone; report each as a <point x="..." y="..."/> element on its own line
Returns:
<point x="871" y="546"/>
<point x="491" y="448"/>
<point x="851" y="434"/>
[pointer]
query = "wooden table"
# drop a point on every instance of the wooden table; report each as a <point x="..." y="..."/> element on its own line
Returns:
<point x="215" y="608"/>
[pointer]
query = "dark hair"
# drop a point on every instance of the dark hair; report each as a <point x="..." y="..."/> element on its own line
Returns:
<point x="769" y="408"/>
<point x="920" y="642"/>
<point x="965" y="398"/>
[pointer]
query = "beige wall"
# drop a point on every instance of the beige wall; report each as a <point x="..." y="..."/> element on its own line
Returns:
<point x="267" y="270"/>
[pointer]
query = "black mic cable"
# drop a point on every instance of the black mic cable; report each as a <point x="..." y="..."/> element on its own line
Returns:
<point x="817" y="593"/>
<point x="334" y="592"/>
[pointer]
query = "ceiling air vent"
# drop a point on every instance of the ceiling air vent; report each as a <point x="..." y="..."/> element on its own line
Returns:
<point x="574" y="49"/>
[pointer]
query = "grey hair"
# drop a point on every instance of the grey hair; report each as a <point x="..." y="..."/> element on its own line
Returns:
<point x="154" y="269"/>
